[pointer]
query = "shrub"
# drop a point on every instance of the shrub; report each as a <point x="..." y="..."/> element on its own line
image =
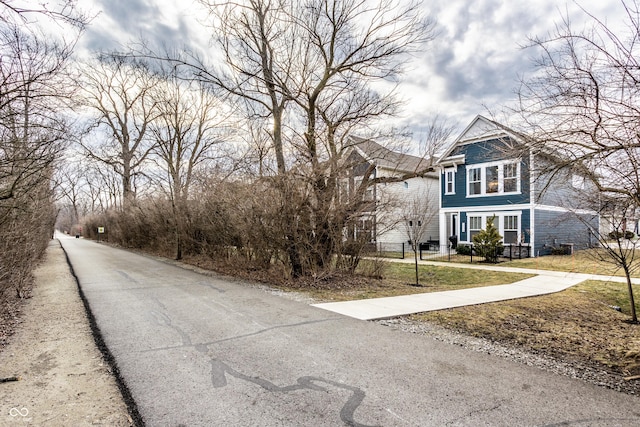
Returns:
<point x="562" y="250"/>
<point x="463" y="249"/>
<point x="616" y="234"/>
<point x="488" y="242"/>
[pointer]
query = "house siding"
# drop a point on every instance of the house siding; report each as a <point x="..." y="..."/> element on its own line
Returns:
<point x="551" y="207"/>
<point x="398" y="198"/>
<point x="559" y="191"/>
<point x="554" y="228"/>
<point x="483" y="152"/>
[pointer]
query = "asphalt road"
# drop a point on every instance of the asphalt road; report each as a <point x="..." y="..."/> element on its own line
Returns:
<point x="204" y="350"/>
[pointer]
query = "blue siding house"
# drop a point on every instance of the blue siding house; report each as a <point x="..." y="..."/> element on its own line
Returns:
<point x="489" y="171"/>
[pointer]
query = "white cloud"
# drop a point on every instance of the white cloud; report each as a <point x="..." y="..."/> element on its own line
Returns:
<point x="474" y="62"/>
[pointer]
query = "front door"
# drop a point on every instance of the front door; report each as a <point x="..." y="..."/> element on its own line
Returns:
<point x="454" y="225"/>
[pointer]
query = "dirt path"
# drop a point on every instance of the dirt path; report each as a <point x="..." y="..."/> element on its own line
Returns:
<point x="64" y="378"/>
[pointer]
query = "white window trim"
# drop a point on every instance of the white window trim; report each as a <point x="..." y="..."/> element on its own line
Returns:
<point x="451" y="171"/>
<point x="483" y="178"/>
<point x="504" y="229"/>
<point x="498" y="222"/>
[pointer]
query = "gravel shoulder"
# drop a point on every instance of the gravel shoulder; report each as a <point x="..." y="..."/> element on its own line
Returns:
<point x="64" y="379"/>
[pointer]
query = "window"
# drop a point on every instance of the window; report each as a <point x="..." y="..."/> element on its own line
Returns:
<point x="510" y="173"/>
<point x="475" y="225"/>
<point x="507" y="223"/>
<point x="364" y="230"/>
<point x="493" y="178"/>
<point x="510" y="230"/>
<point x="475" y="181"/>
<point x="449" y="178"/>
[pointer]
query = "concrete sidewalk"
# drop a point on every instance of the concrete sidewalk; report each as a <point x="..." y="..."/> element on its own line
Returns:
<point x="545" y="282"/>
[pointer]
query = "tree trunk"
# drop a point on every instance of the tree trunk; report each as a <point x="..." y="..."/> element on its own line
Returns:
<point x="634" y="317"/>
<point x="415" y="257"/>
<point x="294" y="256"/>
<point x="178" y="246"/>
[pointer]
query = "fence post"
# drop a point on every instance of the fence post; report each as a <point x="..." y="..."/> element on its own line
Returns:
<point x="402" y="250"/>
<point x="471" y="253"/>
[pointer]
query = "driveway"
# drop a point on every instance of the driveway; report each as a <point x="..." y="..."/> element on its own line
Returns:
<point x="200" y="350"/>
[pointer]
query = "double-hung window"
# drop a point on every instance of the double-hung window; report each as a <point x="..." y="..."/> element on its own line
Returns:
<point x="474" y="176"/>
<point x="510" y="229"/>
<point x="493" y="178"/>
<point x="475" y="225"/>
<point x="510" y="174"/>
<point x="507" y="223"/>
<point x="449" y="181"/>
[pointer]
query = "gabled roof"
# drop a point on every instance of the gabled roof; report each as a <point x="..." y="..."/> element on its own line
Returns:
<point x="479" y="129"/>
<point x="382" y="157"/>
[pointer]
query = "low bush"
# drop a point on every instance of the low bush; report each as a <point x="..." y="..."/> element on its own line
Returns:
<point x="562" y="250"/>
<point x="463" y="250"/>
<point x="616" y="234"/>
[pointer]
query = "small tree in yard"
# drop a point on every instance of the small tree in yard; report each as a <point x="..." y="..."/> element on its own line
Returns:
<point x="419" y="215"/>
<point x="616" y="248"/>
<point x="488" y="242"/>
<point x="416" y="226"/>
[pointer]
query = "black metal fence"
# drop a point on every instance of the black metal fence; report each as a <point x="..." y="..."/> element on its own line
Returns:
<point x="433" y="250"/>
<point x="468" y="253"/>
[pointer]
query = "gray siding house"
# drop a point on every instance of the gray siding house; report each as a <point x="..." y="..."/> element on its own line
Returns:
<point x="490" y="171"/>
<point x="395" y="181"/>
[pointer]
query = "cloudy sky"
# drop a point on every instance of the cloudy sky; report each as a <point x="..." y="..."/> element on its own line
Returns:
<point x="472" y="65"/>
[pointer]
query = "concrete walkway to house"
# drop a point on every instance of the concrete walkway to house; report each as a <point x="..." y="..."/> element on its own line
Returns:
<point x="545" y="282"/>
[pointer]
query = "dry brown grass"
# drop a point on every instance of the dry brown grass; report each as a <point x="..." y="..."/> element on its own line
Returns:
<point x="578" y="325"/>
<point x="588" y="261"/>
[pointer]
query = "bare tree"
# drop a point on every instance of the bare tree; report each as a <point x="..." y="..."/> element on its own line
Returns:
<point x="32" y="91"/>
<point x="619" y="248"/>
<point x="65" y="11"/>
<point x="582" y="106"/>
<point x="616" y="244"/>
<point x="118" y="92"/>
<point x="582" y="103"/>
<point x="421" y="211"/>
<point x="189" y="126"/>
<point x="318" y="59"/>
<point x="308" y="70"/>
<point x="35" y="93"/>
<point x="260" y="49"/>
<point x="69" y="180"/>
